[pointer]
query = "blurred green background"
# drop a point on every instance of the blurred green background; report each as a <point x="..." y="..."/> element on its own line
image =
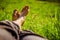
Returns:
<point x="43" y="17"/>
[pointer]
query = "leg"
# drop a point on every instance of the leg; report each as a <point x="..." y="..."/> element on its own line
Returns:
<point x="19" y="18"/>
<point x="33" y="37"/>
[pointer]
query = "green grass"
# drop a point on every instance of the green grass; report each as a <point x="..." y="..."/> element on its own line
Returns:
<point x="43" y="17"/>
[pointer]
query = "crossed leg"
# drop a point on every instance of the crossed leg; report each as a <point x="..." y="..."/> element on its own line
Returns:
<point x="19" y="17"/>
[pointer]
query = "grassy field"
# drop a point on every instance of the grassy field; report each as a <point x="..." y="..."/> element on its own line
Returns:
<point x="43" y="17"/>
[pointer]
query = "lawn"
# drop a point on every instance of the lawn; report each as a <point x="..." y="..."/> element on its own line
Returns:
<point x="43" y="17"/>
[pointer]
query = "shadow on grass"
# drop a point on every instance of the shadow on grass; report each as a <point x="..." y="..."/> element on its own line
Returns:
<point x="56" y="1"/>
